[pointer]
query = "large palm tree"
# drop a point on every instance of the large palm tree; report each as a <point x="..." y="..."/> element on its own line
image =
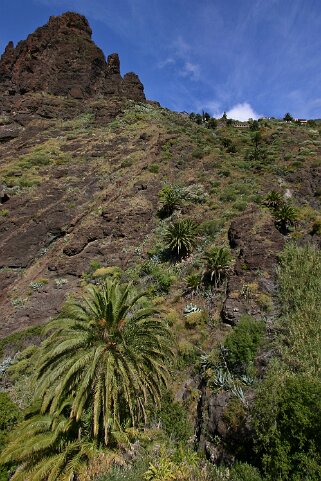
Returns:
<point x="108" y="353"/>
<point x="53" y="448"/>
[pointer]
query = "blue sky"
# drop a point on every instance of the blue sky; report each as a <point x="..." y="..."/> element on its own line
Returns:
<point x="246" y="57"/>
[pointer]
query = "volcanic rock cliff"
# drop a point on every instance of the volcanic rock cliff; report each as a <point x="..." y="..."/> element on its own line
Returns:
<point x="61" y="59"/>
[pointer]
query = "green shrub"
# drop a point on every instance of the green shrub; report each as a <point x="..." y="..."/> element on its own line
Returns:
<point x="161" y="276"/>
<point x="194" y="282"/>
<point x="316" y="227"/>
<point x="244" y="472"/>
<point x="198" y="153"/>
<point x="110" y="271"/>
<point x="195" y="319"/>
<point x="154" y="168"/>
<point x="133" y="472"/>
<point x="243" y="343"/>
<point x="10" y="414"/>
<point x="211" y="227"/>
<point x="173" y="419"/>
<point x="287" y="421"/>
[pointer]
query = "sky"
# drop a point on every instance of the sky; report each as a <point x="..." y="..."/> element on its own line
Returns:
<point x="249" y="58"/>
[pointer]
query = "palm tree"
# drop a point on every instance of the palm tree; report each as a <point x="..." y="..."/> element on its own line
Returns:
<point x="108" y="353"/>
<point x="180" y="237"/>
<point x="171" y="198"/>
<point x="51" y="448"/>
<point x="218" y="262"/>
<point x="274" y="200"/>
<point x="285" y="218"/>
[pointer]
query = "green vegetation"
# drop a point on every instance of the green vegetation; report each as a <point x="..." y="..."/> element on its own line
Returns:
<point x="243" y="342"/>
<point x="218" y="261"/>
<point x="171" y="198"/>
<point x="105" y="357"/>
<point x="180" y="237"/>
<point x="114" y="399"/>
<point x="287" y="410"/>
<point x="285" y="217"/>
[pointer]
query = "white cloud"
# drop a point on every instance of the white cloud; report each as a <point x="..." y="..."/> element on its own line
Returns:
<point x="242" y="112"/>
<point x="166" y="62"/>
<point x="191" y="70"/>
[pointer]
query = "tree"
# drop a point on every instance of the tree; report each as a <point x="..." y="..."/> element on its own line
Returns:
<point x="49" y="448"/>
<point x="212" y="123"/>
<point x="288" y="117"/>
<point x="107" y="353"/>
<point x="254" y="125"/>
<point x="274" y="200"/>
<point x="285" y="217"/>
<point x="180" y="237"/>
<point x="205" y="116"/>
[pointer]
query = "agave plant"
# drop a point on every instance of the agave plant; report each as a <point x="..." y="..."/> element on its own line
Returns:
<point x="285" y="217"/>
<point x="107" y="353"/>
<point x="180" y="237"/>
<point x="218" y="262"/>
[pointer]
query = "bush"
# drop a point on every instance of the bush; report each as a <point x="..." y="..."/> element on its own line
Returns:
<point x="287" y="420"/>
<point x="110" y="271"/>
<point x="194" y="282"/>
<point x="154" y="168"/>
<point x="243" y="343"/>
<point x="316" y="227"/>
<point x="211" y="227"/>
<point x="133" y="472"/>
<point x="195" y="319"/>
<point x="173" y="418"/>
<point x="244" y="472"/>
<point x="161" y="276"/>
<point x="274" y="200"/>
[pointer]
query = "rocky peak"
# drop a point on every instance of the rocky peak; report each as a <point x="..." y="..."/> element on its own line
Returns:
<point x="60" y="58"/>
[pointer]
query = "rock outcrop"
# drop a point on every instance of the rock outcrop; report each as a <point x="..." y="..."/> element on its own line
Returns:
<point x="256" y="243"/>
<point x="61" y="59"/>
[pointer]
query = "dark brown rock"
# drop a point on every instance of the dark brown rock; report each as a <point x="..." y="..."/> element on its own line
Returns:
<point x="256" y="243"/>
<point x="61" y="59"/>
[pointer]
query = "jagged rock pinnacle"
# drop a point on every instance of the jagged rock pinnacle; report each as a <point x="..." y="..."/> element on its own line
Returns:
<point x="60" y="58"/>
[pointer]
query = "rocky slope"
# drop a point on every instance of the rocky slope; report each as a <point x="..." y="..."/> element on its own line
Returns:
<point x="79" y="184"/>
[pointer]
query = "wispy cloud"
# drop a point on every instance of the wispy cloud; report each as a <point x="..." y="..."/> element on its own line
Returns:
<point x="191" y="70"/>
<point x="165" y="63"/>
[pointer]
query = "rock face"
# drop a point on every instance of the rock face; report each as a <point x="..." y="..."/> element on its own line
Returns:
<point x="61" y="59"/>
<point x="256" y="243"/>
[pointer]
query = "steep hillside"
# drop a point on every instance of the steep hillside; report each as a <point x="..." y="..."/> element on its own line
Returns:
<point x="82" y="185"/>
<point x="83" y="190"/>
